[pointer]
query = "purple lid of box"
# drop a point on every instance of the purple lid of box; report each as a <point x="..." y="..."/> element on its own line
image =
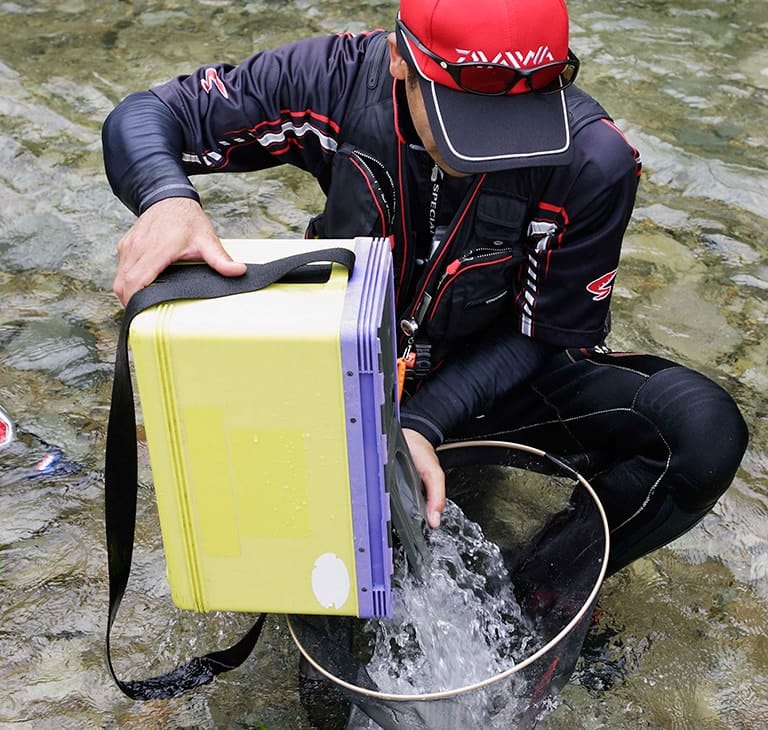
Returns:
<point x="369" y="369"/>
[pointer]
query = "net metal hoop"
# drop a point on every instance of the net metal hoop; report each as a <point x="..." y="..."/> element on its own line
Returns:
<point x="455" y="692"/>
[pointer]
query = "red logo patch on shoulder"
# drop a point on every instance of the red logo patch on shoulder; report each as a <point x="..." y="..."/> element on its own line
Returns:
<point x="601" y="287"/>
<point x="212" y="79"/>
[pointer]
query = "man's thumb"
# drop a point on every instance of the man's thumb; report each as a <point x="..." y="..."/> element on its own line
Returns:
<point x="222" y="262"/>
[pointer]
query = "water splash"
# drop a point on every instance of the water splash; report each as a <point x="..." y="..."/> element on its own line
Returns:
<point x="461" y="626"/>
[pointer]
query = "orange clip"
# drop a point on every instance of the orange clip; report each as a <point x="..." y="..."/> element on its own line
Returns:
<point x="403" y="363"/>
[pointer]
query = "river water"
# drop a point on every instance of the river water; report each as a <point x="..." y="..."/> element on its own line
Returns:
<point x="683" y="635"/>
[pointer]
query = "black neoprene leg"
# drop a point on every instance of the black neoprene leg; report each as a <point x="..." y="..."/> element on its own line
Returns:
<point x="659" y="442"/>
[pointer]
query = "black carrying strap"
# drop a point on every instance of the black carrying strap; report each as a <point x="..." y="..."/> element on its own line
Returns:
<point x="121" y="469"/>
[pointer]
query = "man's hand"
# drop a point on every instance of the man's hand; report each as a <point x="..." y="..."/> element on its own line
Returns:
<point x="174" y="229"/>
<point x="428" y="468"/>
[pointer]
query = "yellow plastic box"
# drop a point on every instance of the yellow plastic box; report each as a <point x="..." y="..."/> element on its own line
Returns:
<point x="268" y="417"/>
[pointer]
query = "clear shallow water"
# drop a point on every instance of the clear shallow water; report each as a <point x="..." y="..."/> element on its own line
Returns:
<point x="687" y="81"/>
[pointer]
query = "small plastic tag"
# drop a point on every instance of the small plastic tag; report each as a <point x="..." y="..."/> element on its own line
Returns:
<point x="401" y="367"/>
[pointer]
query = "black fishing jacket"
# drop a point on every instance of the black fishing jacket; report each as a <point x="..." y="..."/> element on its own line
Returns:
<point x="493" y="272"/>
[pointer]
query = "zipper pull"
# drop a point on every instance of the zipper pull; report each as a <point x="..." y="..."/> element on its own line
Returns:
<point x="406" y="360"/>
<point x="453" y="267"/>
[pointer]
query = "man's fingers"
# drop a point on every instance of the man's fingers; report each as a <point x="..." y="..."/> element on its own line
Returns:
<point x="431" y="473"/>
<point x="435" y="499"/>
<point x="139" y="266"/>
<point x="433" y="477"/>
<point x="220" y="260"/>
<point x="174" y="229"/>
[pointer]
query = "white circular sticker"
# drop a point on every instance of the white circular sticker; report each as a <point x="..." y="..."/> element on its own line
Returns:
<point x="330" y="581"/>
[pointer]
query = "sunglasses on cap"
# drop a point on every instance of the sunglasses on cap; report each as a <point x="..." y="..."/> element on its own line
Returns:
<point x="497" y="79"/>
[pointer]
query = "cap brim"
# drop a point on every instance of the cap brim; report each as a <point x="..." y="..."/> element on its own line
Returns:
<point x="476" y="133"/>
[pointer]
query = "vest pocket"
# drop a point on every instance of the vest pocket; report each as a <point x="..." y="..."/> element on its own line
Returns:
<point x="476" y="288"/>
<point x="473" y="293"/>
<point x="361" y="197"/>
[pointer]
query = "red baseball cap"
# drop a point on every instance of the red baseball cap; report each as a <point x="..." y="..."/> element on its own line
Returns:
<point x="492" y="74"/>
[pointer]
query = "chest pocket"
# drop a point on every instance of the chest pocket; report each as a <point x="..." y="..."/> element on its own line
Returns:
<point x="478" y="283"/>
<point x="361" y="198"/>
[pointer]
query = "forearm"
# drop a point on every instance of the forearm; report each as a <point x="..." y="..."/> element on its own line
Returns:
<point x="472" y="382"/>
<point x="142" y="143"/>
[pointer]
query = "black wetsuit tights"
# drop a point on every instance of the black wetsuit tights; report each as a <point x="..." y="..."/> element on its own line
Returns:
<point x="659" y="442"/>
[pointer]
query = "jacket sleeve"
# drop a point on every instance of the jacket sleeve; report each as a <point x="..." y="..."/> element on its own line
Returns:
<point x="564" y="291"/>
<point x="280" y="106"/>
<point x="472" y="381"/>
